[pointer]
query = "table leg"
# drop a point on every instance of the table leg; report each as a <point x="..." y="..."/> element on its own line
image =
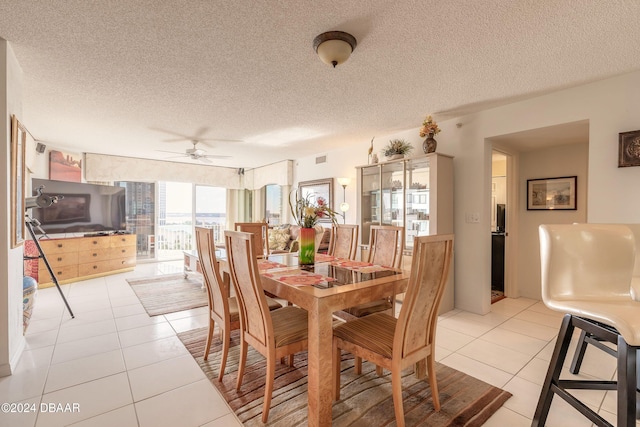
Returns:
<point x="320" y="366"/>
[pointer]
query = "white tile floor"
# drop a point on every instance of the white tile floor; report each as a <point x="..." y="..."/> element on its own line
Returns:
<point x="124" y="368"/>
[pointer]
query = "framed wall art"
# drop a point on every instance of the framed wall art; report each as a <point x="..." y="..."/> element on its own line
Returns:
<point x="315" y="189"/>
<point x="18" y="143"/>
<point x="552" y="193"/>
<point x="629" y="149"/>
<point x="65" y="166"/>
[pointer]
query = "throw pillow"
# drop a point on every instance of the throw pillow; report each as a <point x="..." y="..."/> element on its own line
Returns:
<point x="278" y="239"/>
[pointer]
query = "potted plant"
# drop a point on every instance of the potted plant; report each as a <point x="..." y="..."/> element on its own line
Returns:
<point x="397" y="149"/>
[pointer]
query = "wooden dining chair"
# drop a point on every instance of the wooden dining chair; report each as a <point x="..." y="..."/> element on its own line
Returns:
<point x="396" y="344"/>
<point x="386" y="243"/>
<point x="223" y="308"/>
<point x="261" y="230"/>
<point x="274" y="334"/>
<point x="344" y="241"/>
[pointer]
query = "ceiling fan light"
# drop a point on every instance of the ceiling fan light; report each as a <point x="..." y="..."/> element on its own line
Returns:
<point x="334" y="47"/>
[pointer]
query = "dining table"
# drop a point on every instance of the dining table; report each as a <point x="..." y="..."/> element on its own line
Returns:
<point x="329" y="285"/>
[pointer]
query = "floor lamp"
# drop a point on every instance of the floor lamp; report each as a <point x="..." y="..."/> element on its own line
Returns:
<point x="344" y="206"/>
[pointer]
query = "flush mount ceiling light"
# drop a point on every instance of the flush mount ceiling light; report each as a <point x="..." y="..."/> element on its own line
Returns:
<point x="334" y="47"/>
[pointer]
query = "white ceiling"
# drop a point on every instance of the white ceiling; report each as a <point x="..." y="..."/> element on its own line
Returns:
<point x="123" y="77"/>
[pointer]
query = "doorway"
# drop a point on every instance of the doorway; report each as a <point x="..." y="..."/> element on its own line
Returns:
<point x="499" y="202"/>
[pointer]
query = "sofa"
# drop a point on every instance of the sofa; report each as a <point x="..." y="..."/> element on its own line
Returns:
<point x="284" y="238"/>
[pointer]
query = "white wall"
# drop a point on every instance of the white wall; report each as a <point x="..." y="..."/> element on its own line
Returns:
<point x="610" y="106"/>
<point x="11" y="266"/>
<point x="565" y="160"/>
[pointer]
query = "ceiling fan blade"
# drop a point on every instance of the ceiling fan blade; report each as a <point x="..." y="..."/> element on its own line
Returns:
<point x="204" y="159"/>
<point x="171" y="152"/>
<point x="214" y="156"/>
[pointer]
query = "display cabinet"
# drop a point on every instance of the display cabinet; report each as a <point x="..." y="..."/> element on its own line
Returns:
<point x="415" y="193"/>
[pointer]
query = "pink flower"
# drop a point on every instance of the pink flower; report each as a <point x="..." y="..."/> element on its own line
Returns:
<point x="321" y="201"/>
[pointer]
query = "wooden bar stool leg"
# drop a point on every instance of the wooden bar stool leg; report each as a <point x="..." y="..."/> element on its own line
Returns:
<point x="578" y="356"/>
<point x="626" y="384"/>
<point x="553" y="374"/>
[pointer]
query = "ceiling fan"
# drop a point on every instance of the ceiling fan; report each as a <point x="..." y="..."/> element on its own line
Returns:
<point x="196" y="153"/>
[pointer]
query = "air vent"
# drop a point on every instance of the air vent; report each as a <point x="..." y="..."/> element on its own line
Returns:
<point x="321" y="159"/>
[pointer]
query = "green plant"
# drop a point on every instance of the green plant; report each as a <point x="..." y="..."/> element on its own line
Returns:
<point x="397" y="146"/>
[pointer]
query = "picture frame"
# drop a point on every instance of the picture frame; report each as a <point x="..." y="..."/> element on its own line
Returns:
<point x="18" y="144"/>
<point x="552" y="193"/>
<point x="317" y="188"/>
<point x="629" y="149"/>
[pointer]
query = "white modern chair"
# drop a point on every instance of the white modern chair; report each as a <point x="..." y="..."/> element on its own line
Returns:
<point x="587" y="270"/>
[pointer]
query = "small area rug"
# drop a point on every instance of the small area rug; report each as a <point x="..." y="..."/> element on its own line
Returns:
<point x="365" y="400"/>
<point x="169" y="293"/>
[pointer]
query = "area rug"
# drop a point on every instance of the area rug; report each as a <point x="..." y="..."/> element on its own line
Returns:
<point x="365" y="399"/>
<point x="169" y="293"/>
<point x="496" y="296"/>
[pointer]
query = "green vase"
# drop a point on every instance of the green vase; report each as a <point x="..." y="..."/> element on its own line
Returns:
<point x="307" y="246"/>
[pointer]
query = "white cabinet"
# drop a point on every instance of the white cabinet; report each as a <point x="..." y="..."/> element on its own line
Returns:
<point x="416" y="193"/>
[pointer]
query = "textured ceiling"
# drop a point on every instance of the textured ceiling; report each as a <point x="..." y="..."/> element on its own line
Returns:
<point x="123" y="77"/>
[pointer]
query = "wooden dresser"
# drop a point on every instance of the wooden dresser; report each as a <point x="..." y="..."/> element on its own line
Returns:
<point x="79" y="258"/>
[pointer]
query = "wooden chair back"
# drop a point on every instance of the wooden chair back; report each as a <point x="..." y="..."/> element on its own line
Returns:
<point x="386" y="243"/>
<point x="344" y="240"/>
<point x="217" y="291"/>
<point x="261" y="230"/>
<point x="416" y="326"/>
<point x="255" y="320"/>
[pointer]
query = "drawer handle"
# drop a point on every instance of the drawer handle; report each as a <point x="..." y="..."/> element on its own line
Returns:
<point x="123" y="239"/>
<point x="95" y="242"/>
<point x="94" y="254"/>
<point x="59" y="245"/>
<point x="123" y="251"/>
<point x="59" y="259"/>
<point x="95" y="267"/>
<point x="59" y="273"/>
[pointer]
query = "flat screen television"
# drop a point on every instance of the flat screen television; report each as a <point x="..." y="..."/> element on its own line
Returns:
<point x="500" y="217"/>
<point x="83" y="208"/>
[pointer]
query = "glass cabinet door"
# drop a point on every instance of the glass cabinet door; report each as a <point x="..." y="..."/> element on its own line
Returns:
<point x="370" y="200"/>
<point x="417" y="200"/>
<point x="393" y="194"/>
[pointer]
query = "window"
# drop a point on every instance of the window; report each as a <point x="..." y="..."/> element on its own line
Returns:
<point x="273" y="204"/>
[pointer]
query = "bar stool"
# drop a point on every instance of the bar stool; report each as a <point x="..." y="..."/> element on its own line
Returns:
<point x="586" y="273"/>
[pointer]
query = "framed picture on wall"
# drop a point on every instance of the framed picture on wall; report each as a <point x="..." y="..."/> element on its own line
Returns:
<point x="552" y="193"/>
<point x="18" y="143"/>
<point x="629" y="149"/>
<point x="316" y="189"/>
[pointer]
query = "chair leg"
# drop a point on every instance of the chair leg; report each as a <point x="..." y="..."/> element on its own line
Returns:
<point x="357" y="365"/>
<point x="553" y="373"/>
<point x="226" y="342"/>
<point x="241" y="362"/>
<point x="433" y="382"/>
<point x="207" y="347"/>
<point x="396" y="387"/>
<point x="268" y="388"/>
<point x="291" y="360"/>
<point x="626" y="384"/>
<point x="336" y="371"/>
<point x="579" y="354"/>
<point x="379" y="371"/>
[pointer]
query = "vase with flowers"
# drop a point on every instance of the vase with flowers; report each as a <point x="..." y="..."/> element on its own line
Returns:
<point x="429" y="129"/>
<point x="307" y="211"/>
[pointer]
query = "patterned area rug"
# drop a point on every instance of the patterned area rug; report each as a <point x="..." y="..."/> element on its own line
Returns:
<point x="496" y="296"/>
<point x="365" y="399"/>
<point x="169" y="293"/>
